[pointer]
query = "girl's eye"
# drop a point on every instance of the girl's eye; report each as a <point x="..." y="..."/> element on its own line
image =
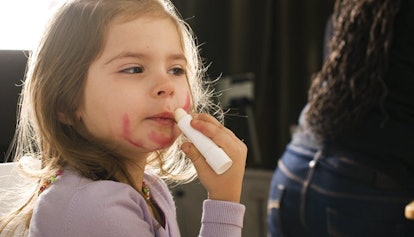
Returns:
<point x="133" y="70"/>
<point x="177" y="71"/>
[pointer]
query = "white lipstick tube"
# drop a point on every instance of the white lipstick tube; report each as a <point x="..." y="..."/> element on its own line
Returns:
<point x="218" y="160"/>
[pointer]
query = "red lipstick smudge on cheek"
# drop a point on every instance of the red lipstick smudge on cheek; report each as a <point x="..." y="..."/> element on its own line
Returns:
<point x="125" y="127"/>
<point x="187" y="104"/>
<point x="162" y="141"/>
<point x="126" y="132"/>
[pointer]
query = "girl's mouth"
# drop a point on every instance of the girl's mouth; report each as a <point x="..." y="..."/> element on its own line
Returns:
<point x="163" y="119"/>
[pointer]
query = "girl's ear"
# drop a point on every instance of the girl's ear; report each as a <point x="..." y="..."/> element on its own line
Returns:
<point x="63" y="118"/>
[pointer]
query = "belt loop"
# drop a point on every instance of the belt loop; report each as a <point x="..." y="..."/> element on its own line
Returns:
<point x="309" y="175"/>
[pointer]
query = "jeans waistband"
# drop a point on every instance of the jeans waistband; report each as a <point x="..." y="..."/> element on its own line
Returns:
<point x="363" y="173"/>
<point x="350" y="167"/>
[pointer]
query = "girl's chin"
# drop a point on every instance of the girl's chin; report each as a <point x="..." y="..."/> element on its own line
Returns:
<point x="165" y="146"/>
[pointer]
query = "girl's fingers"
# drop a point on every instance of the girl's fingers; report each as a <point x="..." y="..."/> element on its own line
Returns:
<point x="226" y="186"/>
<point x="195" y="156"/>
<point x="212" y="128"/>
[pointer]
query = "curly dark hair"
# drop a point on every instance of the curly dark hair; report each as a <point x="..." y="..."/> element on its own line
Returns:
<point x="350" y="82"/>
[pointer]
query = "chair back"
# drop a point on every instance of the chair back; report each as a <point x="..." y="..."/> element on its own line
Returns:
<point x="11" y="180"/>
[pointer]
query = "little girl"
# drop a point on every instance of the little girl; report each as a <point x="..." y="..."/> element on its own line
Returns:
<point x="97" y="111"/>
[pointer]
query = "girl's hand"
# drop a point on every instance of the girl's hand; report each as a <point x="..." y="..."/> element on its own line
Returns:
<point x="226" y="186"/>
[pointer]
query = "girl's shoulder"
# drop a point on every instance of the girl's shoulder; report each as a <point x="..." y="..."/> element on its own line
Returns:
<point x="70" y="184"/>
<point x="71" y="187"/>
<point x="72" y="191"/>
<point x="74" y="203"/>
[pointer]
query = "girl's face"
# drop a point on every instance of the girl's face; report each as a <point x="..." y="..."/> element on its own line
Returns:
<point x="134" y="86"/>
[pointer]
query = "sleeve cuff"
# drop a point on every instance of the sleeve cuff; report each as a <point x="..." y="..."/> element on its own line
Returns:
<point x="223" y="212"/>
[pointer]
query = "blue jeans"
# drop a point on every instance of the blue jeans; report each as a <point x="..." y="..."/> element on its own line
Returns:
<point x="312" y="195"/>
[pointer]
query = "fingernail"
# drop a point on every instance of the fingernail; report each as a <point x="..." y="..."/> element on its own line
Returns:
<point x="185" y="148"/>
<point x="195" y="122"/>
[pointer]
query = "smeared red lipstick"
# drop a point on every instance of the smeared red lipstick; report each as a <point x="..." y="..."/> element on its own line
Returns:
<point x="187" y="104"/>
<point x="127" y="133"/>
<point x="165" y="118"/>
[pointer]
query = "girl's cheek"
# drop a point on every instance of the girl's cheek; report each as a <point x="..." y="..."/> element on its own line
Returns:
<point x="126" y="127"/>
<point x="187" y="103"/>
<point x="161" y="140"/>
<point x="126" y="132"/>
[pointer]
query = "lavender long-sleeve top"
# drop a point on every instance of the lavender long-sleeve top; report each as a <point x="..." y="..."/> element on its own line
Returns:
<point x="77" y="206"/>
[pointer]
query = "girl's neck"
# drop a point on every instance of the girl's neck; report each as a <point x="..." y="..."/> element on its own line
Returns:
<point x="135" y="171"/>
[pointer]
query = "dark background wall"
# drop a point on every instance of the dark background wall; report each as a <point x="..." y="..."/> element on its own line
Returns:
<point x="12" y="69"/>
<point x="278" y="41"/>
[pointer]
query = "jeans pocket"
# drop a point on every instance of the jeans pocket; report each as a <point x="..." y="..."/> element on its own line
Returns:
<point x="344" y="225"/>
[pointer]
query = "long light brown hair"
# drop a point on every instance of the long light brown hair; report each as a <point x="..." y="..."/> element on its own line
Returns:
<point x="55" y="83"/>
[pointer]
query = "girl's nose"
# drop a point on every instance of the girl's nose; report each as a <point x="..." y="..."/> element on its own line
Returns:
<point x="164" y="87"/>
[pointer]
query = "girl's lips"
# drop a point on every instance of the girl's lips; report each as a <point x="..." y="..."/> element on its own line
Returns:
<point x="164" y="119"/>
